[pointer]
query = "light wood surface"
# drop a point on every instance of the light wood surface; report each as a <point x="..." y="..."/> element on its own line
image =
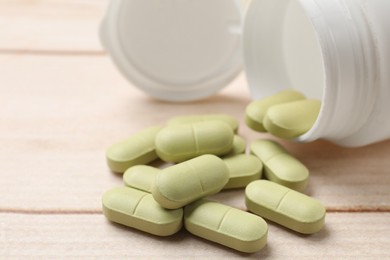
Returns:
<point x="62" y="103"/>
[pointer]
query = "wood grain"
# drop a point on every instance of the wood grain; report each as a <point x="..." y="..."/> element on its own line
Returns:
<point x="61" y="26"/>
<point x="345" y="236"/>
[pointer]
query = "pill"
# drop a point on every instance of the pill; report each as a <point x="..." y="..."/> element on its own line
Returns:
<point x="140" y="177"/>
<point x="225" y="225"/>
<point x="138" y="149"/>
<point x="243" y="169"/>
<point x="138" y="209"/>
<point x="183" y="183"/>
<point x="179" y="143"/>
<point x="284" y="206"/>
<point x="279" y="165"/>
<point x="290" y="120"/>
<point x="256" y="110"/>
<point x="239" y="146"/>
<point x="231" y="121"/>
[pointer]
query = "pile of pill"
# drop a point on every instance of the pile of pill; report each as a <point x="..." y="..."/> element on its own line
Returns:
<point x="287" y="114"/>
<point x="208" y="156"/>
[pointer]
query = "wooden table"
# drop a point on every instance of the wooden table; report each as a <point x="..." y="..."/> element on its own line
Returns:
<point x="62" y="103"/>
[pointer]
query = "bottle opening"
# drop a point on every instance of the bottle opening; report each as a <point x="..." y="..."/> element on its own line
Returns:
<point x="282" y="50"/>
<point x="323" y="49"/>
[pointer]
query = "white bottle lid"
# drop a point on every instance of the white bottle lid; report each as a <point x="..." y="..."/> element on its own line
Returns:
<point x="175" y="50"/>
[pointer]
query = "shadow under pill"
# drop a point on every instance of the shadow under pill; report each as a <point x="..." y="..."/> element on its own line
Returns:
<point x="227" y="250"/>
<point x="176" y="238"/>
<point x="319" y="236"/>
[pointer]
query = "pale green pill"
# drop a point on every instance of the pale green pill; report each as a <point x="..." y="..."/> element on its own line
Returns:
<point x="138" y="149"/>
<point x="280" y="166"/>
<point x="225" y="225"/>
<point x="284" y="206"/>
<point x="179" y="143"/>
<point x="243" y="169"/>
<point x="183" y="183"/>
<point x="138" y="209"/>
<point x="256" y="111"/>
<point x="239" y="146"/>
<point x="140" y="177"/>
<point x="293" y="119"/>
<point x="231" y="121"/>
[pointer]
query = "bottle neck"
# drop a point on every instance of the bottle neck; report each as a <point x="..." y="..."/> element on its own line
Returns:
<point x="350" y="67"/>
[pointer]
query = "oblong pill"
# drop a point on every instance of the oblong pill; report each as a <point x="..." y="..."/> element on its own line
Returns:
<point x="293" y="119"/>
<point x="280" y="166"/>
<point x="256" y="110"/>
<point x="179" y="143"/>
<point x="239" y="146"/>
<point x="138" y="209"/>
<point x="243" y="169"/>
<point x="225" y="225"/>
<point x="140" y="177"/>
<point x="284" y="206"/>
<point x="138" y="149"/>
<point x="231" y="121"/>
<point x="183" y="183"/>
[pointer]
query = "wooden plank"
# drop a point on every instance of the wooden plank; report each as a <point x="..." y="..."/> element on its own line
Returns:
<point x="351" y="236"/>
<point x="59" y="114"/>
<point x="47" y="26"/>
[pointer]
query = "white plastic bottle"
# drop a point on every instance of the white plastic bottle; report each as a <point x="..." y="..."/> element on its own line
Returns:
<point x="335" y="50"/>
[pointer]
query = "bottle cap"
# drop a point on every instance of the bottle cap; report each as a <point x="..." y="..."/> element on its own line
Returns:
<point x="175" y="50"/>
